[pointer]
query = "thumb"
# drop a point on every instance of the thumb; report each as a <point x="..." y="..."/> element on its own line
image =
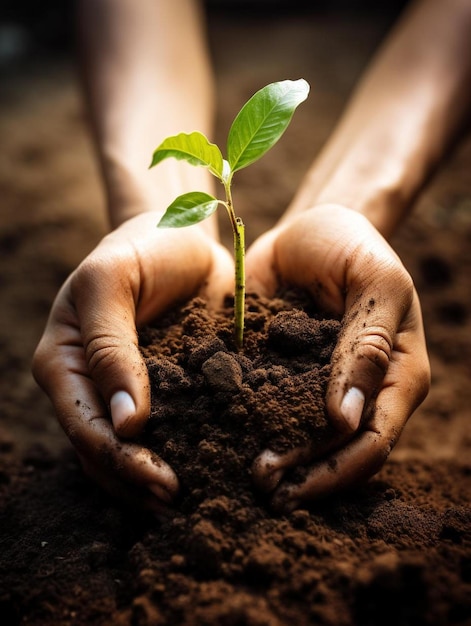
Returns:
<point x="106" y="310"/>
<point x="375" y="310"/>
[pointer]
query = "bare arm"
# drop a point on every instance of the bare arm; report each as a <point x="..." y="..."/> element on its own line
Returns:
<point x="147" y="75"/>
<point x="401" y="119"/>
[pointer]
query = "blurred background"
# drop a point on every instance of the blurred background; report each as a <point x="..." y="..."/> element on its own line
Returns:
<point x="30" y="29"/>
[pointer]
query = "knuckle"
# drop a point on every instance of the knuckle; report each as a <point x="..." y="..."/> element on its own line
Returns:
<point x="90" y="271"/>
<point x="399" y="286"/>
<point x="44" y="364"/>
<point x="392" y="273"/>
<point x="375" y="349"/>
<point x="422" y="382"/>
<point x="38" y="364"/>
<point x="385" y="275"/>
<point x="400" y="278"/>
<point x="424" y="385"/>
<point x="105" y="263"/>
<point x="101" y="353"/>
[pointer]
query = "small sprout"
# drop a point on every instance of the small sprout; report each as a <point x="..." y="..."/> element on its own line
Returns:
<point x="257" y="127"/>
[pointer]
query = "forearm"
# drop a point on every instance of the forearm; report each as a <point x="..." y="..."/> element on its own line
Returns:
<point x="147" y="75"/>
<point x="402" y="118"/>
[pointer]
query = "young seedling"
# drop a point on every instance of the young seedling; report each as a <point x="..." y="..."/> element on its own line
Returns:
<point x="257" y="127"/>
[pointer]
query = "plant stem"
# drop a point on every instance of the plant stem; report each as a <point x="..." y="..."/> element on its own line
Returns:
<point x="239" y="298"/>
<point x="238" y="230"/>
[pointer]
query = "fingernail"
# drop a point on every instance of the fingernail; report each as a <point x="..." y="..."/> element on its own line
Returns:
<point x="266" y="471"/>
<point x="274" y="473"/>
<point x="352" y="407"/>
<point x="122" y="409"/>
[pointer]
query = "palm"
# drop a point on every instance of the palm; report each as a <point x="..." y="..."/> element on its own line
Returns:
<point x="88" y="355"/>
<point x="350" y="270"/>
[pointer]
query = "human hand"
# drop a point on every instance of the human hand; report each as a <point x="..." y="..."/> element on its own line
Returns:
<point x="380" y="370"/>
<point x="88" y="360"/>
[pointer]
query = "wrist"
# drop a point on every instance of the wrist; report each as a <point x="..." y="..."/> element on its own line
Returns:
<point x="132" y="190"/>
<point x="379" y="182"/>
<point x="381" y="190"/>
<point x="126" y="194"/>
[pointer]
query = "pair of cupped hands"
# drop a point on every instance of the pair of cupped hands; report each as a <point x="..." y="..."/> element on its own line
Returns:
<point x="88" y="360"/>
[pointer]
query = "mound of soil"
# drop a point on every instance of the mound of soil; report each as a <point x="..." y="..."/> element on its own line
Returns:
<point x="396" y="551"/>
<point x="214" y="409"/>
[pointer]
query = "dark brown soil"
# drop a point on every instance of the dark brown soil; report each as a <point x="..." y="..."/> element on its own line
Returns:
<point x="214" y="409"/>
<point x="396" y="551"/>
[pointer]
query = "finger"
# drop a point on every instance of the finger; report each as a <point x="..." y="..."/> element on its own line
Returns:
<point x="60" y="368"/>
<point x="94" y="438"/>
<point x="382" y="342"/>
<point x="365" y="454"/>
<point x="104" y="295"/>
<point x="406" y="385"/>
<point x="358" y="460"/>
<point x="133" y="497"/>
<point x="130" y="278"/>
<point x="269" y="468"/>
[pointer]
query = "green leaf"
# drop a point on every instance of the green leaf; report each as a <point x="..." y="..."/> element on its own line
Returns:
<point x="194" y="148"/>
<point x="188" y="209"/>
<point x="263" y="120"/>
